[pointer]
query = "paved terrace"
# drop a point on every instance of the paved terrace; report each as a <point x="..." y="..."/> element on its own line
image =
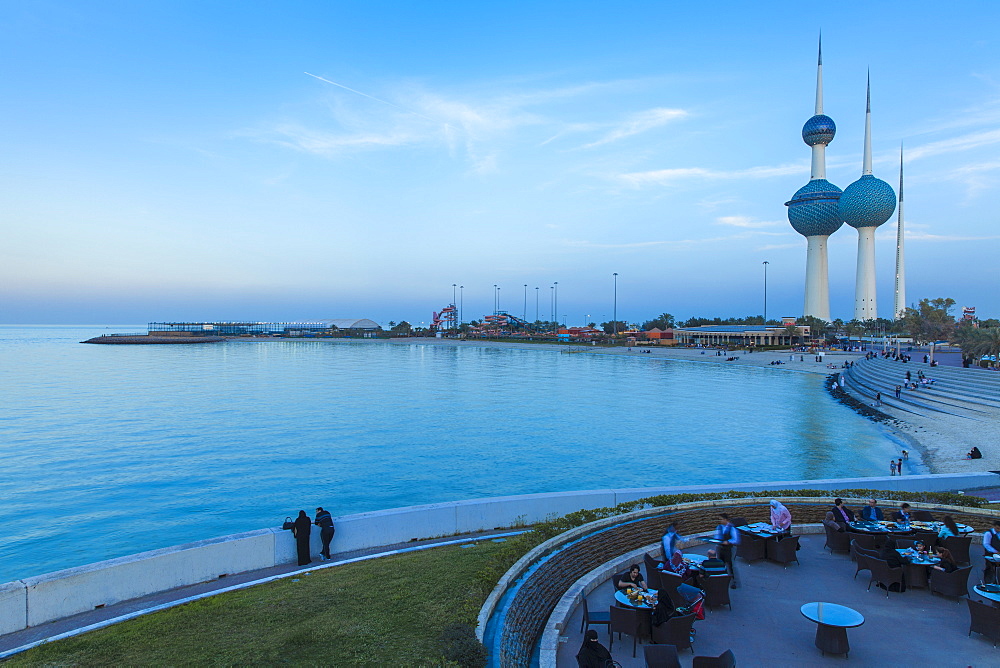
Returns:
<point x="765" y="626"/>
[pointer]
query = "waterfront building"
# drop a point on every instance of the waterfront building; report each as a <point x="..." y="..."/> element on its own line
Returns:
<point x="342" y="326"/>
<point x="813" y="210"/>
<point x="742" y="335"/>
<point x="864" y="205"/>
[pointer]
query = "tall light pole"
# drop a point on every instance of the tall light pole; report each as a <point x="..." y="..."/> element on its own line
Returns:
<point x="552" y="308"/>
<point x="765" y="291"/>
<point x="461" y="304"/>
<point x="453" y="300"/>
<point x="614" y="318"/>
<point x="494" y="299"/>
<point x="524" y="313"/>
<point x="498" y="300"/>
<point x="555" y="305"/>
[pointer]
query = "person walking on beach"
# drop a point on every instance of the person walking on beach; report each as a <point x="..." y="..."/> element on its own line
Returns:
<point x="878" y="399"/>
<point x="899" y="390"/>
<point x="301" y="530"/>
<point x="899" y="466"/>
<point x="892" y="467"/>
<point x="324" y="520"/>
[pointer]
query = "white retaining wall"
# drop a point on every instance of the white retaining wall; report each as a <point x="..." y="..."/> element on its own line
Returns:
<point x="44" y="598"/>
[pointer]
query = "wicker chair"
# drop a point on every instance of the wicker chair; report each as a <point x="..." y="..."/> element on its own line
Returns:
<point x="592" y="618"/>
<point x="864" y="540"/>
<point x="624" y="620"/>
<point x="985" y="619"/>
<point x="738" y="521"/>
<point x="661" y="656"/>
<point x="716" y="590"/>
<point x="883" y="575"/>
<point x="783" y="551"/>
<point x="652" y="573"/>
<point x="955" y="583"/>
<point x="959" y="548"/>
<point x="725" y="660"/>
<point x="928" y="538"/>
<point x="861" y="556"/>
<point x="675" y="631"/>
<point x="923" y="516"/>
<point x="837" y="541"/>
<point x="751" y="548"/>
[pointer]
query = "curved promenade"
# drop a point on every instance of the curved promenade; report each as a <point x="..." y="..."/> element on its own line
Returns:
<point x="34" y="601"/>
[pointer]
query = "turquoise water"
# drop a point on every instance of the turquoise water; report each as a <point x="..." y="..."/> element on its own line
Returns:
<point x="112" y="450"/>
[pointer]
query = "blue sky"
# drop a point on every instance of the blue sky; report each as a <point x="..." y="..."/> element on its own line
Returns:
<point x="172" y="160"/>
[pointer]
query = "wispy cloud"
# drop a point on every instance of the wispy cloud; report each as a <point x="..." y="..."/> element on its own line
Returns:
<point x="672" y="175"/>
<point x="638" y="123"/>
<point x="962" y="143"/>
<point x="924" y="236"/>
<point x="744" y="221"/>
<point x="677" y="243"/>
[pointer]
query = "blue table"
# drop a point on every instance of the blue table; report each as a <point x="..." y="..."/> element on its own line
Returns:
<point x="832" y="622"/>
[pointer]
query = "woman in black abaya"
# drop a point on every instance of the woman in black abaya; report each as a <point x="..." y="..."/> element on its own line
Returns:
<point x="593" y="654"/>
<point x="301" y="530"/>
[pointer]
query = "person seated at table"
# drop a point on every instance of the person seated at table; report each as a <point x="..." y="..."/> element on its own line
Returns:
<point x="831" y="521"/>
<point x="632" y="579"/>
<point x="950" y="529"/>
<point x="670" y="540"/>
<point x="903" y="514"/>
<point x="842" y="513"/>
<point x="921" y="547"/>
<point x="891" y="557"/>
<point x="991" y="539"/>
<point x="781" y="519"/>
<point x="592" y="653"/>
<point x="713" y="564"/>
<point x="676" y="564"/>
<point x="947" y="564"/>
<point x="871" y="512"/>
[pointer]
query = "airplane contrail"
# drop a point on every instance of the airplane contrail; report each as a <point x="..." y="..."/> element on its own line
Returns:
<point x="372" y="97"/>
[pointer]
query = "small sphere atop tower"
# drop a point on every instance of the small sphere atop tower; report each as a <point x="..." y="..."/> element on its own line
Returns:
<point x="819" y="129"/>
<point x="868" y="202"/>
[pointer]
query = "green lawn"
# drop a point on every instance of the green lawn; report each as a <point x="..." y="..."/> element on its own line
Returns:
<point x="384" y="612"/>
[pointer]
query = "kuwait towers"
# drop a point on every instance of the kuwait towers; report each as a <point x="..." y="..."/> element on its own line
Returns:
<point x="813" y="210"/>
<point x="866" y="204"/>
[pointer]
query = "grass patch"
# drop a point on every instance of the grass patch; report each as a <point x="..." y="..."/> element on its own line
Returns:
<point x="385" y="612"/>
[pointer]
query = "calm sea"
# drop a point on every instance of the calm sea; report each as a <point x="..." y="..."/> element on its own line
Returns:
<point x="112" y="450"/>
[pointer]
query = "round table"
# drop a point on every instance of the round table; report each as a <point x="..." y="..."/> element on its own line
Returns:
<point x="995" y="597"/>
<point x="832" y="622"/>
<point x="623" y="599"/>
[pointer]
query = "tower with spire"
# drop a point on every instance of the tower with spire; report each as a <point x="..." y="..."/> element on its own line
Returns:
<point x="899" y="302"/>
<point x="813" y="210"/>
<point x="866" y="204"/>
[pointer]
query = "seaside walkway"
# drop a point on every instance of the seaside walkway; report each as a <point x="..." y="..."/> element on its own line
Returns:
<point x="967" y="393"/>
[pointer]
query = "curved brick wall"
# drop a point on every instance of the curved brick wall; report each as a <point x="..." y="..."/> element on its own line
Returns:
<point x="532" y="604"/>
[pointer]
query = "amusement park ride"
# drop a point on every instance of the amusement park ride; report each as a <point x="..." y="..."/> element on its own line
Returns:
<point x="499" y="324"/>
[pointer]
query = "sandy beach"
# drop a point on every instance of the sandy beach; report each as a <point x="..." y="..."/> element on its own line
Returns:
<point x="941" y="440"/>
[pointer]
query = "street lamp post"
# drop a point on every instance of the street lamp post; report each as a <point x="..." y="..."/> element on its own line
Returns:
<point x="614" y="317"/>
<point x="552" y="308"/>
<point x="765" y="291"/>
<point x="494" y="299"/>
<point x="555" y="305"/>
<point x="461" y="304"/>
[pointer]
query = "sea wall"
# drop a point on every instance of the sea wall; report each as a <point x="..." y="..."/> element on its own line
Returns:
<point x="44" y="598"/>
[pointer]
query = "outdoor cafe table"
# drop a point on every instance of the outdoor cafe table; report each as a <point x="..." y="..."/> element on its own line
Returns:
<point x="622" y="598"/>
<point x="884" y="527"/>
<point x="761" y="530"/>
<point x="832" y="622"/>
<point x="916" y="566"/>
<point x="989" y="591"/>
